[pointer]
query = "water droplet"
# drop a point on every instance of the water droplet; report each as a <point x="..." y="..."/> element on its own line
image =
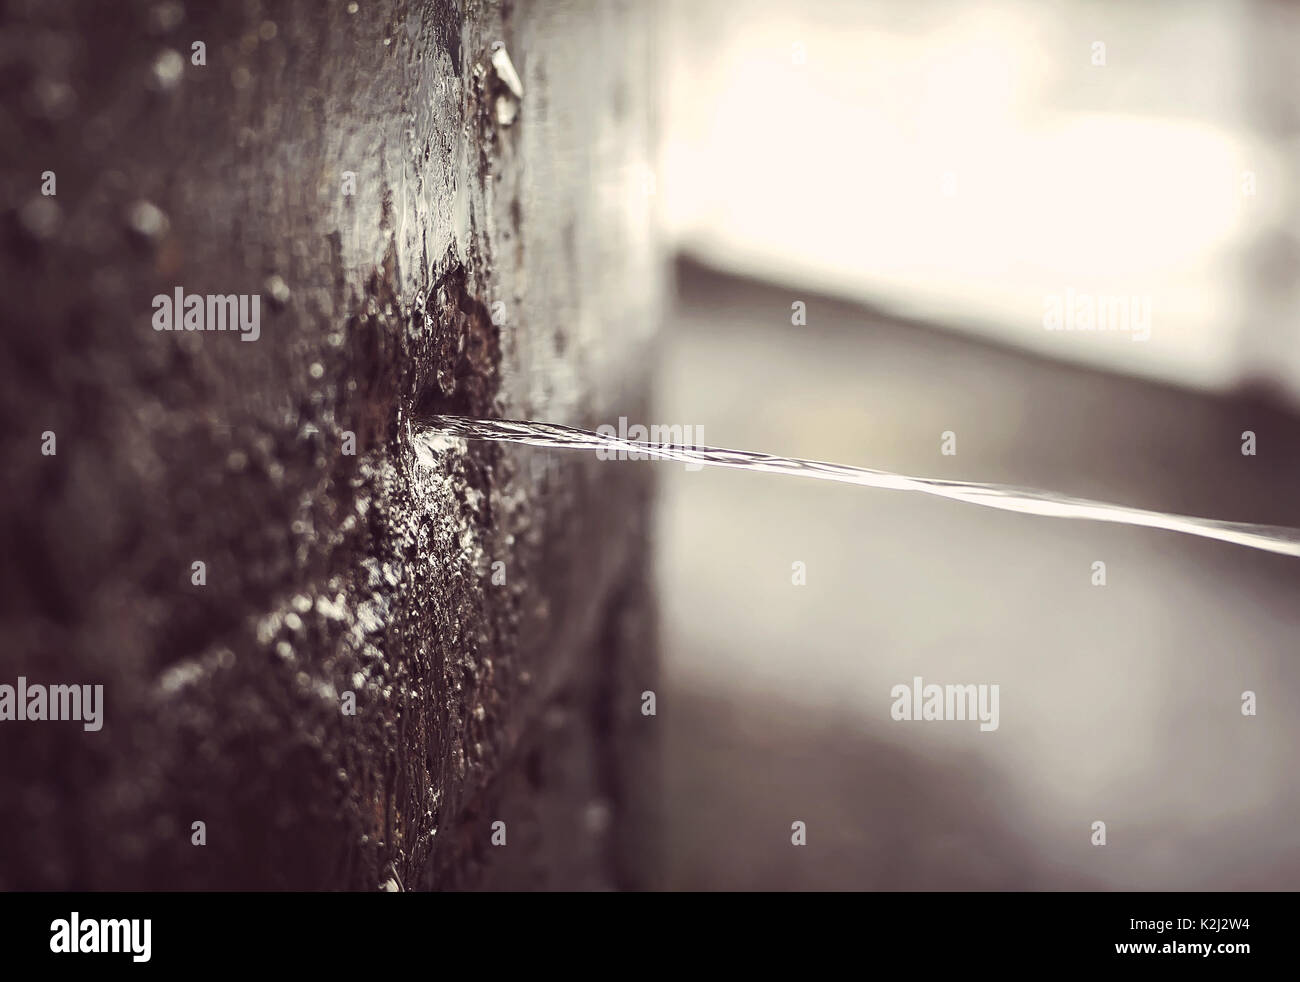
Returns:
<point x="278" y="289"/>
<point x="505" y="70"/>
<point x="179" y="676"/>
<point x="147" y="220"/>
<point x="167" y="69"/>
<point x="267" y="628"/>
<point x="507" y="110"/>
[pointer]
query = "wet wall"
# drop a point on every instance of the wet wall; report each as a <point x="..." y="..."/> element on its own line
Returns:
<point x="392" y="642"/>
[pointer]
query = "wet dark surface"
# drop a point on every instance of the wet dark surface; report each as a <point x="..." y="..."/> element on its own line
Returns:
<point x="458" y="275"/>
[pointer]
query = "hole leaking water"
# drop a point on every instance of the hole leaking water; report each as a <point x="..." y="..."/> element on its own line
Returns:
<point x="1269" y="538"/>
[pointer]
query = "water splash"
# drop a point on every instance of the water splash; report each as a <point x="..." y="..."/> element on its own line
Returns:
<point x="1269" y="538"/>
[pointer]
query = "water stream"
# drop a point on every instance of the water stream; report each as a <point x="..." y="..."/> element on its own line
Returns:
<point x="1029" y="501"/>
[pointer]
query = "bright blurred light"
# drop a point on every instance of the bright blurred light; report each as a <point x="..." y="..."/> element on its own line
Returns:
<point x="956" y="169"/>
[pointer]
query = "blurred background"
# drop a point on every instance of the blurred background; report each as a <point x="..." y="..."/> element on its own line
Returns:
<point x="924" y="178"/>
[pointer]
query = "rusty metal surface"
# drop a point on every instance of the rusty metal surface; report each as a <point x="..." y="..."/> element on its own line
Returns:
<point x="480" y="268"/>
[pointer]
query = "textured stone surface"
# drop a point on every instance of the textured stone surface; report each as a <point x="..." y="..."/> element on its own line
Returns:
<point x="478" y="268"/>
